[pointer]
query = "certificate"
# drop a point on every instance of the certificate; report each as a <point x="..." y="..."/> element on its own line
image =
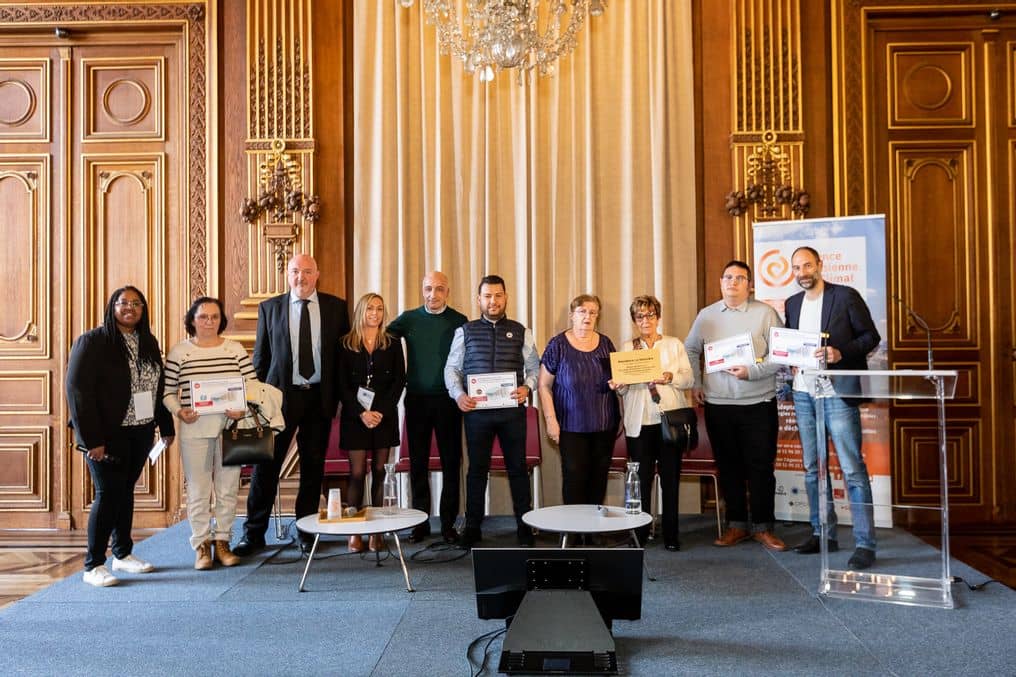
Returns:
<point x="794" y="347"/>
<point x="635" y="366"/>
<point x="216" y="395"/>
<point x="733" y="351"/>
<point x="493" y="390"/>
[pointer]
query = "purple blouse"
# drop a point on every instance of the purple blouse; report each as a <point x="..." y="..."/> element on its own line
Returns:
<point x="583" y="401"/>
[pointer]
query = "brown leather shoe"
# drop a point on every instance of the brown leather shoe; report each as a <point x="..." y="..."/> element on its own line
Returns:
<point x="770" y="541"/>
<point x="223" y="555"/>
<point x="203" y="556"/>
<point x="376" y="542"/>
<point x="732" y="536"/>
<point x="356" y="543"/>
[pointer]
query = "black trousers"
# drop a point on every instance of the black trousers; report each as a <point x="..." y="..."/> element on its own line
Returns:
<point x="304" y="420"/>
<point x="440" y="416"/>
<point x="585" y="464"/>
<point x="744" y="445"/>
<point x="652" y="455"/>
<point x="112" y="511"/>
<point x="509" y="426"/>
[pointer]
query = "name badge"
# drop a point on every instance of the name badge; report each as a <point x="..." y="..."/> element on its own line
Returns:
<point x="144" y="405"/>
<point x="365" y="396"/>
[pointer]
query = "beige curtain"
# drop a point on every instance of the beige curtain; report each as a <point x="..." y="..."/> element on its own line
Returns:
<point x="579" y="182"/>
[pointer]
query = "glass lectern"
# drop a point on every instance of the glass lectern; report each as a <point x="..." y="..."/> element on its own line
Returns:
<point x="878" y="584"/>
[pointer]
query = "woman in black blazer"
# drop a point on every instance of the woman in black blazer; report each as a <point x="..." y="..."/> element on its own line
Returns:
<point x="114" y="392"/>
<point x="372" y="372"/>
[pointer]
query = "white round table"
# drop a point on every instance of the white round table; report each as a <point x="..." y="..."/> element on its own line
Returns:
<point x="585" y="519"/>
<point x="378" y="522"/>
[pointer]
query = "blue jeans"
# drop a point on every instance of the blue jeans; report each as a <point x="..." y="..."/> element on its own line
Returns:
<point x="843" y="426"/>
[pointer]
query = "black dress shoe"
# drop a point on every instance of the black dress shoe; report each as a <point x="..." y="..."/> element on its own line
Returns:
<point x="861" y="559"/>
<point x="813" y="545"/>
<point x="469" y="537"/>
<point x="248" y="546"/>
<point x="525" y="536"/>
<point x="449" y="535"/>
<point x="306" y="545"/>
<point x="672" y="545"/>
<point x="420" y="533"/>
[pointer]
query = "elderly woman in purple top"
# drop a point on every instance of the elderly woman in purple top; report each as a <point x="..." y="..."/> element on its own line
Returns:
<point x="580" y="408"/>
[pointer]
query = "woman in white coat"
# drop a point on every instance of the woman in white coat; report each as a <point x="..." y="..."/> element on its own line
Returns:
<point x="642" y="404"/>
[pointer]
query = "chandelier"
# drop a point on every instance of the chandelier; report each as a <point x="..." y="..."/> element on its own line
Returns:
<point x="494" y="35"/>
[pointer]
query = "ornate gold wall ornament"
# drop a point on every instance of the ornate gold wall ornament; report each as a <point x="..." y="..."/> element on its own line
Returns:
<point x="281" y="201"/>
<point x="768" y="187"/>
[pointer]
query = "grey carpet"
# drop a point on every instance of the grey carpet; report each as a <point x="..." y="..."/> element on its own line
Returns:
<point x="711" y="611"/>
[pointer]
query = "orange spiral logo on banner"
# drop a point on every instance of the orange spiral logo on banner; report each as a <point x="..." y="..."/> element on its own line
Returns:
<point x="774" y="269"/>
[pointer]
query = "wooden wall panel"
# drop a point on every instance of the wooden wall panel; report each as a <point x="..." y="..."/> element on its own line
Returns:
<point x="25" y="392"/>
<point x="25" y="459"/>
<point x="24" y="100"/>
<point x="939" y="280"/>
<point x="124" y="200"/>
<point x="123" y="98"/>
<point x="24" y="258"/>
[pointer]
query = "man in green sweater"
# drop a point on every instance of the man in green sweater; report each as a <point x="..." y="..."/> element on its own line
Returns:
<point x="428" y="331"/>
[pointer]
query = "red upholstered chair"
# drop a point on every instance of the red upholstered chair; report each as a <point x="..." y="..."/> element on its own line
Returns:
<point x="697" y="463"/>
<point x="534" y="456"/>
<point x="433" y="462"/>
<point x="336" y="459"/>
<point x="700" y="463"/>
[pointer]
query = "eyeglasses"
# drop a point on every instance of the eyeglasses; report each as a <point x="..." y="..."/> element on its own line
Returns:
<point x="588" y="312"/>
<point x="645" y="316"/>
<point x="734" y="278"/>
<point x="128" y="304"/>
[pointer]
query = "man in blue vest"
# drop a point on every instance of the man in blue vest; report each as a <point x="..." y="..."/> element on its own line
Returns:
<point x="493" y="344"/>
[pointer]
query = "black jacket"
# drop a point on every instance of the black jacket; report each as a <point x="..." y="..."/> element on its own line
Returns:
<point x="273" y="352"/>
<point x="98" y="389"/>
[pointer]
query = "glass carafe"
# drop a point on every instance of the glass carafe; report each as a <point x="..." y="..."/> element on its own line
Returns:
<point x="632" y="489"/>
<point x="390" y="496"/>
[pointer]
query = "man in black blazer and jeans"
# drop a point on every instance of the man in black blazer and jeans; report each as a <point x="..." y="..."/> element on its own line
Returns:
<point x="297" y="351"/>
<point x="840" y="312"/>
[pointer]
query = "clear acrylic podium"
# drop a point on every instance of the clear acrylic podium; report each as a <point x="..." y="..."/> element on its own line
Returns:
<point x="879" y="585"/>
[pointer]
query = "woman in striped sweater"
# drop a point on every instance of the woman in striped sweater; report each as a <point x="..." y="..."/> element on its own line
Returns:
<point x="206" y="355"/>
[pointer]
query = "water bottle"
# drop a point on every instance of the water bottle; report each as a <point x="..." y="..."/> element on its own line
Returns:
<point x="390" y="500"/>
<point x="632" y="490"/>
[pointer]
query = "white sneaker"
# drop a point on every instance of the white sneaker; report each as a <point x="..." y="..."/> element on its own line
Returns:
<point x="132" y="565"/>
<point x="100" y="577"/>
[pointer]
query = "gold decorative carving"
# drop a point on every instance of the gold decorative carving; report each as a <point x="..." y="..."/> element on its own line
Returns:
<point x="279" y="122"/>
<point x="768" y="183"/>
<point x="281" y="201"/>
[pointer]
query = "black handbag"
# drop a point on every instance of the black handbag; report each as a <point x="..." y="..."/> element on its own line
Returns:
<point x="247" y="446"/>
<point x="679" y="427"/>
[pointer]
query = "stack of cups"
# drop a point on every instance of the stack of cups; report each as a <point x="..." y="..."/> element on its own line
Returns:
<point x="334" y="504"/>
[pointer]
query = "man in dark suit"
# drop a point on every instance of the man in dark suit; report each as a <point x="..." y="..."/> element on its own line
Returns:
<point x="296" y="350"/>
<point x="842" y="314"/>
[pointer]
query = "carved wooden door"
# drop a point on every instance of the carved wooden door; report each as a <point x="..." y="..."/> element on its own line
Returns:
<point x="92" y="156"/>
<point x="941" y="114"/>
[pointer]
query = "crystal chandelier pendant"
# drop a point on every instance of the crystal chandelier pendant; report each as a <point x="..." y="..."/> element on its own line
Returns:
<point x="508" y="34"/>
